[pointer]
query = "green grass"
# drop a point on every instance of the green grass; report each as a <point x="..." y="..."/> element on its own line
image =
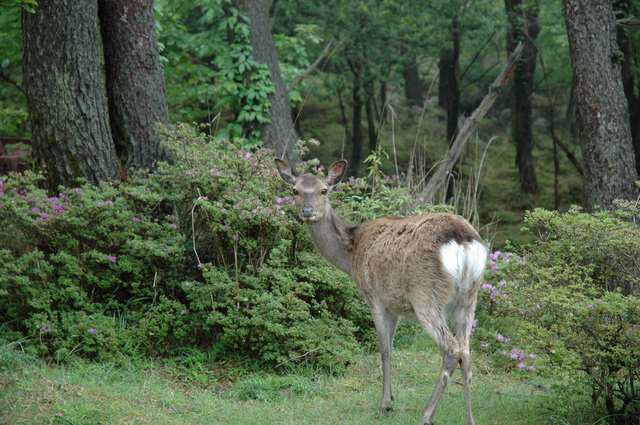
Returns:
<point x="153" y="393"/>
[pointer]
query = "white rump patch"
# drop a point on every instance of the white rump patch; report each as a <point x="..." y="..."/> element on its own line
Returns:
<point x="465" y="263"/>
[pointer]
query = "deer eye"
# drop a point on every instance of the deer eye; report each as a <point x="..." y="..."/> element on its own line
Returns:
<point x="295" y="191"/>
<point x="324" y="191"/>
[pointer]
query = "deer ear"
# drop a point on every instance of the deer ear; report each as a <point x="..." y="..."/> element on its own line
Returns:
<point x="288" y="173"/>
<point x="336" y="172"/>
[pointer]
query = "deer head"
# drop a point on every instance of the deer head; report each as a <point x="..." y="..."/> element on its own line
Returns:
<point x="310" y="191"/>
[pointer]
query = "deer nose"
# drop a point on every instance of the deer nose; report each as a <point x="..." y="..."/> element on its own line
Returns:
<point x="307" y="211"/>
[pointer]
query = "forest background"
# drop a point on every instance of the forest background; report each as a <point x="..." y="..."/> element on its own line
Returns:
<point x="199" y="261"/>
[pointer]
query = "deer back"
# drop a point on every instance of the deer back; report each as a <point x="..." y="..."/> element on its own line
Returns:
<point x="432" y="256"/>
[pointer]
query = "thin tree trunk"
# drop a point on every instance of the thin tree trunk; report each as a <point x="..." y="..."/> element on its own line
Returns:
<point x="371" y="120"/>
<point x="450" y="84"/>
<point x="135" y="80"/>
<point x="279" y="134"/>
<point x="601" y="107"/>
<point x="358" y="133"/>
<point x="345" y="115"/>
<point x="449" y="94"/>
<point x="65" y="93"/>
<point x="414" y="87"/>
<point x="523" y="27"/>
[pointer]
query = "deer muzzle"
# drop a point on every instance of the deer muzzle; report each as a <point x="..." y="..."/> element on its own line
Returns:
<point x="307" y="211"/>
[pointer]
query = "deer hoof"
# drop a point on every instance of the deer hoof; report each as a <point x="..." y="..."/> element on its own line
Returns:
<point x="386" y="410"/>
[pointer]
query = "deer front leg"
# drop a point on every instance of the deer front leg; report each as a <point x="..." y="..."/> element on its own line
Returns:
<point x="386" y="324"/>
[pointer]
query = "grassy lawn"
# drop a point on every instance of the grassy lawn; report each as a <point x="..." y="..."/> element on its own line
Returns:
<point x="150" y="393"/>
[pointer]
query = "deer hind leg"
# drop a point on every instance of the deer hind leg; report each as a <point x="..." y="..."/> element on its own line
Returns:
<point x="386" y="324"/>
<point x="463" y="315"/>
<point x="435" y="325"/>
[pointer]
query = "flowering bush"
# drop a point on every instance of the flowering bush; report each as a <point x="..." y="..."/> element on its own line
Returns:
<point x="576" y="299"/>
<point x="203" y="252"/>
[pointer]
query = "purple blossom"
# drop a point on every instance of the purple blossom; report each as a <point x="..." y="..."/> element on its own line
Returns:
<point x="174" y="226"/>
<point x="111" y="258"/>
<point x="93" y="330"/>
<point x="503" y="339"/>
<point x="135" y="219"/>
<point x="45" y="329"/>
<point x="517" y="354"/>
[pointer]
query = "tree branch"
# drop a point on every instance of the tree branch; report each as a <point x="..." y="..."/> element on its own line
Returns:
<point x="444" y="169"/>
<point x="312" y="66"/>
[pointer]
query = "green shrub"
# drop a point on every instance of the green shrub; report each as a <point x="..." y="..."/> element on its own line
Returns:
<point x="575" y="298"/>
<point x="205" y="252"/>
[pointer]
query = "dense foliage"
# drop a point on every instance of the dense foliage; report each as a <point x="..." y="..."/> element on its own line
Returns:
<point x="575" y="297"/>
<point x="204" y="252"/>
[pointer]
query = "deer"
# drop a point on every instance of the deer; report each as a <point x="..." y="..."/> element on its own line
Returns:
<point x="425" y="268"/>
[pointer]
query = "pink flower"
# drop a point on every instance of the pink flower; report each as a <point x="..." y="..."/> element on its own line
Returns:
<point x="111" y="258"/>
<point x="93" y="330"/>
<point x="135" y="219"/>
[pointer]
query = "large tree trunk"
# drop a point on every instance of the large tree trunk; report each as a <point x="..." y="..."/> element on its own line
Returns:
<point x="628" y="80"/>
<point x="601" y="108"/>
<point x="523" y="26"/>
<point x="135" y="80"/>
<point x="65" y="93"/>
<point x="279" y="134"/>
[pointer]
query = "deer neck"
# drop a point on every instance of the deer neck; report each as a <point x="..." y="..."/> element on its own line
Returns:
<point x="334" y="239"/>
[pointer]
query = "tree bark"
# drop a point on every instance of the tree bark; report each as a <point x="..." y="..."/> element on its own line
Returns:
<point x="65" y="93"/>
<point x="279" y="134"/>
<point x="601" y="108"/>
<point x="523" y="26"/>
<point x="628" y="80"/>
<point x="135" y="80"/>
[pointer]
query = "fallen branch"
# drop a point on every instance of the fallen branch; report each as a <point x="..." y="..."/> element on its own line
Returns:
<point x="444" y="169"/>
